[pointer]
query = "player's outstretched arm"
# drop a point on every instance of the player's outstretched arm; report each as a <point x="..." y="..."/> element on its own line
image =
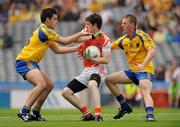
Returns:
<point x="84" y="38"/>
<point x="62" y="50"/>
<point x="72" y="38"/>
<point x="151" y="53"/>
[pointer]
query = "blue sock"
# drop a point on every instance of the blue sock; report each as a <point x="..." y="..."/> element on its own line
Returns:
<point x="122" y="101"/>
<point x="25" y="110"/>
<point x="36" y="112"/>
<point x="149" y="112"/>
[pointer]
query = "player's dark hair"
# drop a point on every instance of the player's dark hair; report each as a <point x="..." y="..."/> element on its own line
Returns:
<point x="95" y="19"/>
<point x="47" y="13"/>
<point x="132" y="19"/>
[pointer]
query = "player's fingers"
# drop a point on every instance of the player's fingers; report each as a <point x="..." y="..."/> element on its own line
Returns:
<point x="135" y="63"/>
<point x="86" y="33"/>
<point x="138" y="68"/>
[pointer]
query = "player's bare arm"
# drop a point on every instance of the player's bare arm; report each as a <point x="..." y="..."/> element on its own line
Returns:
<point x="61" y="50"/>
<point x="151" y="53"/>
<point x="84" y="38"/>
<point x="104" y="59"/>
<point x="72" y="38"/>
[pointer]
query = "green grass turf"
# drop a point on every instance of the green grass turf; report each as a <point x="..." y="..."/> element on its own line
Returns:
<point x="71" y="118"/>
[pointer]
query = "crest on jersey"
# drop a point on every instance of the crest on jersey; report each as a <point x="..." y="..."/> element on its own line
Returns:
<point x="137" y="45"/>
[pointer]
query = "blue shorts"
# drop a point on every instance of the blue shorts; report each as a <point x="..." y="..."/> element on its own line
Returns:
<point x="137" y="76"/>
<point x="23" y="67"/>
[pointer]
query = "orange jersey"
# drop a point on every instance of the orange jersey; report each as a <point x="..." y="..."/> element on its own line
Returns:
<point x="102" y="42"/>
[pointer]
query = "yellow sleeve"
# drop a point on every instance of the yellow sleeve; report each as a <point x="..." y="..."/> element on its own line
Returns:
<point x="51" y="43"/>
<point x="115" y="44"/>
<point x="51" y="34"/>
<point x="148" y="42"/>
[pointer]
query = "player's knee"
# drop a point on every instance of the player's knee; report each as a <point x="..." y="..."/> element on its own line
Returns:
<point x="50" y="86"/>
<point x="41" y="86"/>
<point x="145" y="91"/>
<point x="96" y="78"/>
<point x="93" y="86"/>
<point x="66" y="92"/>
<point x="145" y="87"/>
<point x="107" y="81"/>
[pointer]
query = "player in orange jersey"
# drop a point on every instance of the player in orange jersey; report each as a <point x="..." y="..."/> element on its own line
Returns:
<point x="93" y="74"/>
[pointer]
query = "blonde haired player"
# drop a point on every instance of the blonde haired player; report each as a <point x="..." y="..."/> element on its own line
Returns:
<point x="32" y="53"/>
<point x="93" y="74"/>
<point x="140" y="50"/>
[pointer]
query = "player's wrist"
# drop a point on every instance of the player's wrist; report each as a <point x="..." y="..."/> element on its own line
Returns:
<point x="83" y="33"/>
<point x="76" y="48"/>
<point x="80" y="33"/>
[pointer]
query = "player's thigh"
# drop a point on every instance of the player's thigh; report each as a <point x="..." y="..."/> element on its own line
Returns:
<point x="35" y="77"/>
<point x="118" y="77"/>
<point x="76" y="86"/>
<point x="83" y="77"/>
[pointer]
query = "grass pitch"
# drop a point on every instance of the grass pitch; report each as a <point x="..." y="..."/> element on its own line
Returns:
<point x="71" y="118"/>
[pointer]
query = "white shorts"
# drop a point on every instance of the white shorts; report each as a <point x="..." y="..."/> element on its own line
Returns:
<point x="87" y="72"/>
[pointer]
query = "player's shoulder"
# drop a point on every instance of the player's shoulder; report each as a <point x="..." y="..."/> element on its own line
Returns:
<point x="46" y="29"/>
<point x="120" y="39"/>
<point x="141" y="33"/>
<point x="100" y="34"/>
<point x="105" y="36"/>
<point x="107" y="39"/>
<point x="143" y="36"/>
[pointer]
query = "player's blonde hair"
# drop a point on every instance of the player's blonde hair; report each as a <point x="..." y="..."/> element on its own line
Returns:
<point x="132" y="19"/>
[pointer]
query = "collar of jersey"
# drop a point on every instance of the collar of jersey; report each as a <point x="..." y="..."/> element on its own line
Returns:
<point x="134" y="35"/>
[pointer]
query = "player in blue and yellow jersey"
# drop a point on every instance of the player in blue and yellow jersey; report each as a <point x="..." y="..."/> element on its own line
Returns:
<point x="139" y="49"/>
<point x="43" y="37"/>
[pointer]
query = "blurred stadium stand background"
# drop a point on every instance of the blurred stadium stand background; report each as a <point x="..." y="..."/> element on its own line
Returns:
<point x="159" y="18"/>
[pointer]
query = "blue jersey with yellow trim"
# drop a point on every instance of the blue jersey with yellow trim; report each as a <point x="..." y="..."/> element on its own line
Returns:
<point x="38" y="43"/>
<point x="136" y="49"/>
